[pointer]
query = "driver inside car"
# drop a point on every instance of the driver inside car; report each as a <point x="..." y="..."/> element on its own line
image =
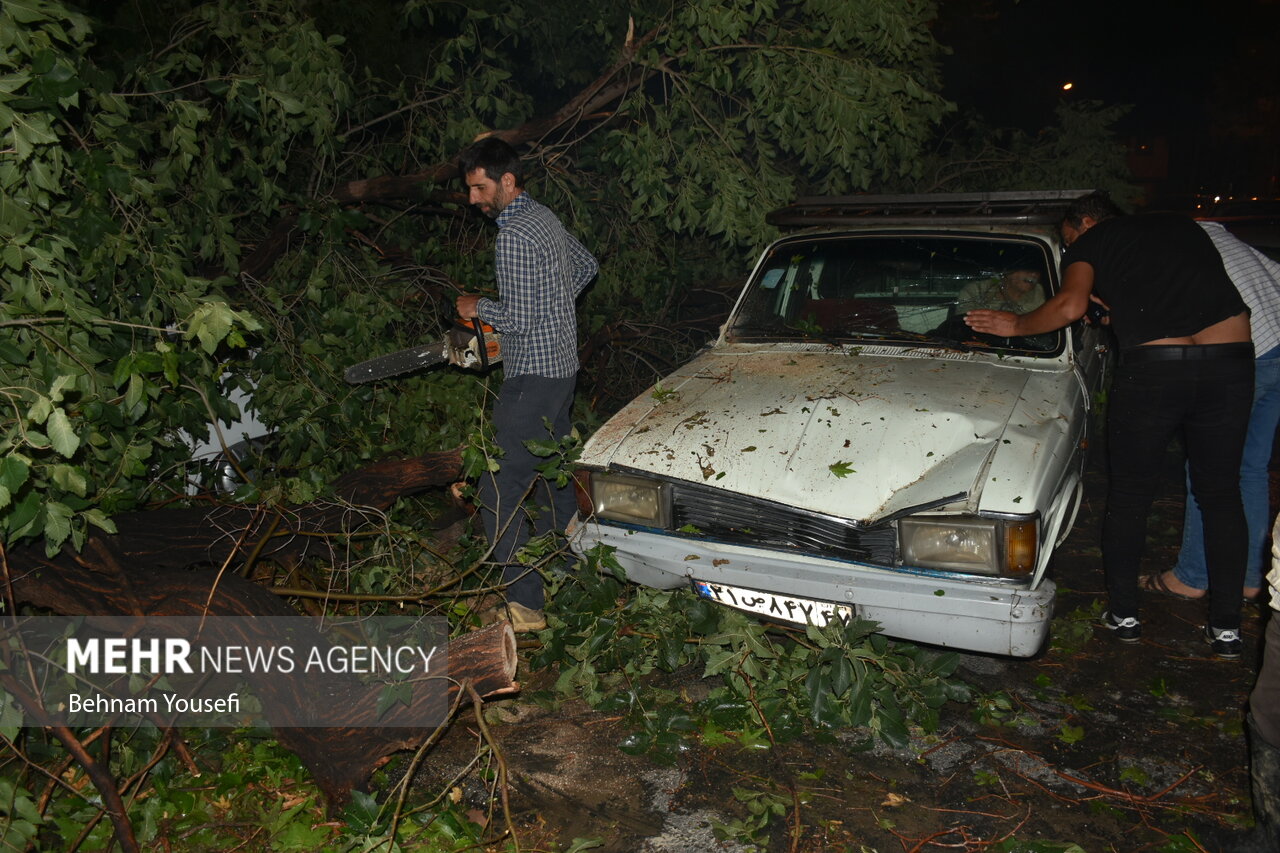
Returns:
<point x="1018" y="291"/>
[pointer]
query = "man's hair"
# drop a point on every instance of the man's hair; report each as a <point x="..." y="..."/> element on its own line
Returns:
<point x="1096" y="205"/>
<point x="495" y="156"/>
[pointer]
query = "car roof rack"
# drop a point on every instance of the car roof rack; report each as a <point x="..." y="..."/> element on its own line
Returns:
<point x="1038" y="207"/>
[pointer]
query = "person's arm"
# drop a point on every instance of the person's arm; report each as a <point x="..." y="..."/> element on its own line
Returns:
<point x="1065" y="307"/>
<point x="515" y="311"/>
<point x="582" y="265"/>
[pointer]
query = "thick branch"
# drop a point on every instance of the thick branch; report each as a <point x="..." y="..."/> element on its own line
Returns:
<point x="601" y="92"/>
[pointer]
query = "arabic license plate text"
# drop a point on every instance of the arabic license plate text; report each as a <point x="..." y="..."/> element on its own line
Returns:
<point x="788" y="608"/>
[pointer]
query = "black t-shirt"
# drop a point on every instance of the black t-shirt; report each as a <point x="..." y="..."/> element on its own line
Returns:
<point x="1159" y="273"/>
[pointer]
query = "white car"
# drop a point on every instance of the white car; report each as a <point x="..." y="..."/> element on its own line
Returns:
<point x="848" y="446"/>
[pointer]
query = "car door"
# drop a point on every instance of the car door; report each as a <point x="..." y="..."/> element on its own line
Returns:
<point x="1091" y="354"/>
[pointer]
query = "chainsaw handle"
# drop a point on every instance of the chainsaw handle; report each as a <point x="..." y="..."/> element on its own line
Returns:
<point x="478" y="326"/>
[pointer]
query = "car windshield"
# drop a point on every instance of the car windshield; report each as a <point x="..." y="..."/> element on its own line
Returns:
<point x="900" y="289"/>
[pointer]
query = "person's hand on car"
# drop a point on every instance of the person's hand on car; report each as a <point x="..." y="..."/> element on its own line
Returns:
<point x="1002" y="324"/>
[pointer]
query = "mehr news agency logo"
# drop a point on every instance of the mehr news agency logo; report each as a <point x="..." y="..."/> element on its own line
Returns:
<point x="233" y="671"/>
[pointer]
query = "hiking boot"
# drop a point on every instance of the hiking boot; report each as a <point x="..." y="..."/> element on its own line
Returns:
<point x="524" y="620"/>
<point x="1127" y="630"/>
<point x="1226" y="642"/>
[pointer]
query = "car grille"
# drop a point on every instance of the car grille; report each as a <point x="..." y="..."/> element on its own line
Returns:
<point x="735" y="518"/>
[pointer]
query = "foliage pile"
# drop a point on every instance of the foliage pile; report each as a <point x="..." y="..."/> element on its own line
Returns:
<point x="770" y="684"/>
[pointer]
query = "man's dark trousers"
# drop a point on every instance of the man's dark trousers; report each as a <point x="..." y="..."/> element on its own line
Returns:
<point x="1207" y="401"/>
<point x="517" y="495"/>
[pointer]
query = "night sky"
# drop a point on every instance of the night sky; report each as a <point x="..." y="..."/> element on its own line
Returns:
<point x="1204" y="76"/>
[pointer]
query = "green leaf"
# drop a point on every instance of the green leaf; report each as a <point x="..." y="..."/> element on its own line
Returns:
<point x="841" y="469"/>
<point x="210" y="324"/>
<point x="392" y="694"/>
<point x="14" y="471"/>
<point x="134" y="395"/>
<point x="61" y="435"/>
<point x="671" y="647"/>
<point x="860" y="705"/>
<point x="70" y="479"/>
<point x="11" y="717"/>
<point x="40" y="410"/>
<point x="841" y="676"/>
<point x="11" y="353"/>
<point x="57" y="525"/>
<point x="1071" y="734"/>
<point x="24" y="515"/>
<point x="98" y="519"/>
<point x="288" y="102"/>
<point x="59" y="386"/>
<point x="541" y="447"/>
<point x="893" y="730"/>
<point x="362" y="812"/>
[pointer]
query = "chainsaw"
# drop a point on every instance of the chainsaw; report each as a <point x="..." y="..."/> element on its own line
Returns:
<point x="469" y="344"/>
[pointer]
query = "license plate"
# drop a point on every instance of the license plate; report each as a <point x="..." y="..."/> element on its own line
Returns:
<point x="787" y="608"/>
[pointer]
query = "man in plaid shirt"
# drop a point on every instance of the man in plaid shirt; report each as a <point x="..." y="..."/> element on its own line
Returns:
<point x="540" y="269"/>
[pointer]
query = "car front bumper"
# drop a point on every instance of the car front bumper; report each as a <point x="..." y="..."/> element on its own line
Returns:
<point x="922" y="606"/>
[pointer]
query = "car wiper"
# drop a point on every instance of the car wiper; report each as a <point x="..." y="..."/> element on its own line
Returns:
<point x="762" y="332"/>
<point x="894" y="334"/>
<point x="1002" y="345"/>
<point x="951" y="343"/>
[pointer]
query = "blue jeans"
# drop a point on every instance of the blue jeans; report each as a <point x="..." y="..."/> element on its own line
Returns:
<point x="1254" y="487"/>
<point x="516" y="497"/>
<point x="1207" y="399"/>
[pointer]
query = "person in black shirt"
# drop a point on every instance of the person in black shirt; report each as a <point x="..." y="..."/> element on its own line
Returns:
<point x="1185" y="366"/>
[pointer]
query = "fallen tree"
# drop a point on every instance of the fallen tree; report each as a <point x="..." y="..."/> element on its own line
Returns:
<point x="184" y="561"/>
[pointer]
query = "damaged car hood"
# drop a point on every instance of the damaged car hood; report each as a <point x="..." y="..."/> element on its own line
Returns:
<point x="861" y="433"/>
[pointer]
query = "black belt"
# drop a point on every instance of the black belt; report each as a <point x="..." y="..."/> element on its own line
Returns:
<point x="1186" y="352"/>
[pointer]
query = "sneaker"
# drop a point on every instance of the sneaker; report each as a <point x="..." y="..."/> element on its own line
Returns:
<point x="1226" y="642"/>
<point x="1128" y="629"/>
<point x="524" y="620"/>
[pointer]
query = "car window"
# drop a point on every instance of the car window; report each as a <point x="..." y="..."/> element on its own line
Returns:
<point x="894" y="289"/>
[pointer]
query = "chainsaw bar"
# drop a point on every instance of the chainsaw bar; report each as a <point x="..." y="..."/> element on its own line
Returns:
<point x="396" y="363"/>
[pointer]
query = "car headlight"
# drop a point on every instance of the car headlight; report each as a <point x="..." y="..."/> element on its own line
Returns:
<point x="632" y="500"/>
<point x="986" y="546"/>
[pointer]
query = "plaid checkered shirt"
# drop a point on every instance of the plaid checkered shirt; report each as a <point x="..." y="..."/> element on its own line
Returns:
<point x="541" y="269"/>
<point x="1257" y="277"/>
